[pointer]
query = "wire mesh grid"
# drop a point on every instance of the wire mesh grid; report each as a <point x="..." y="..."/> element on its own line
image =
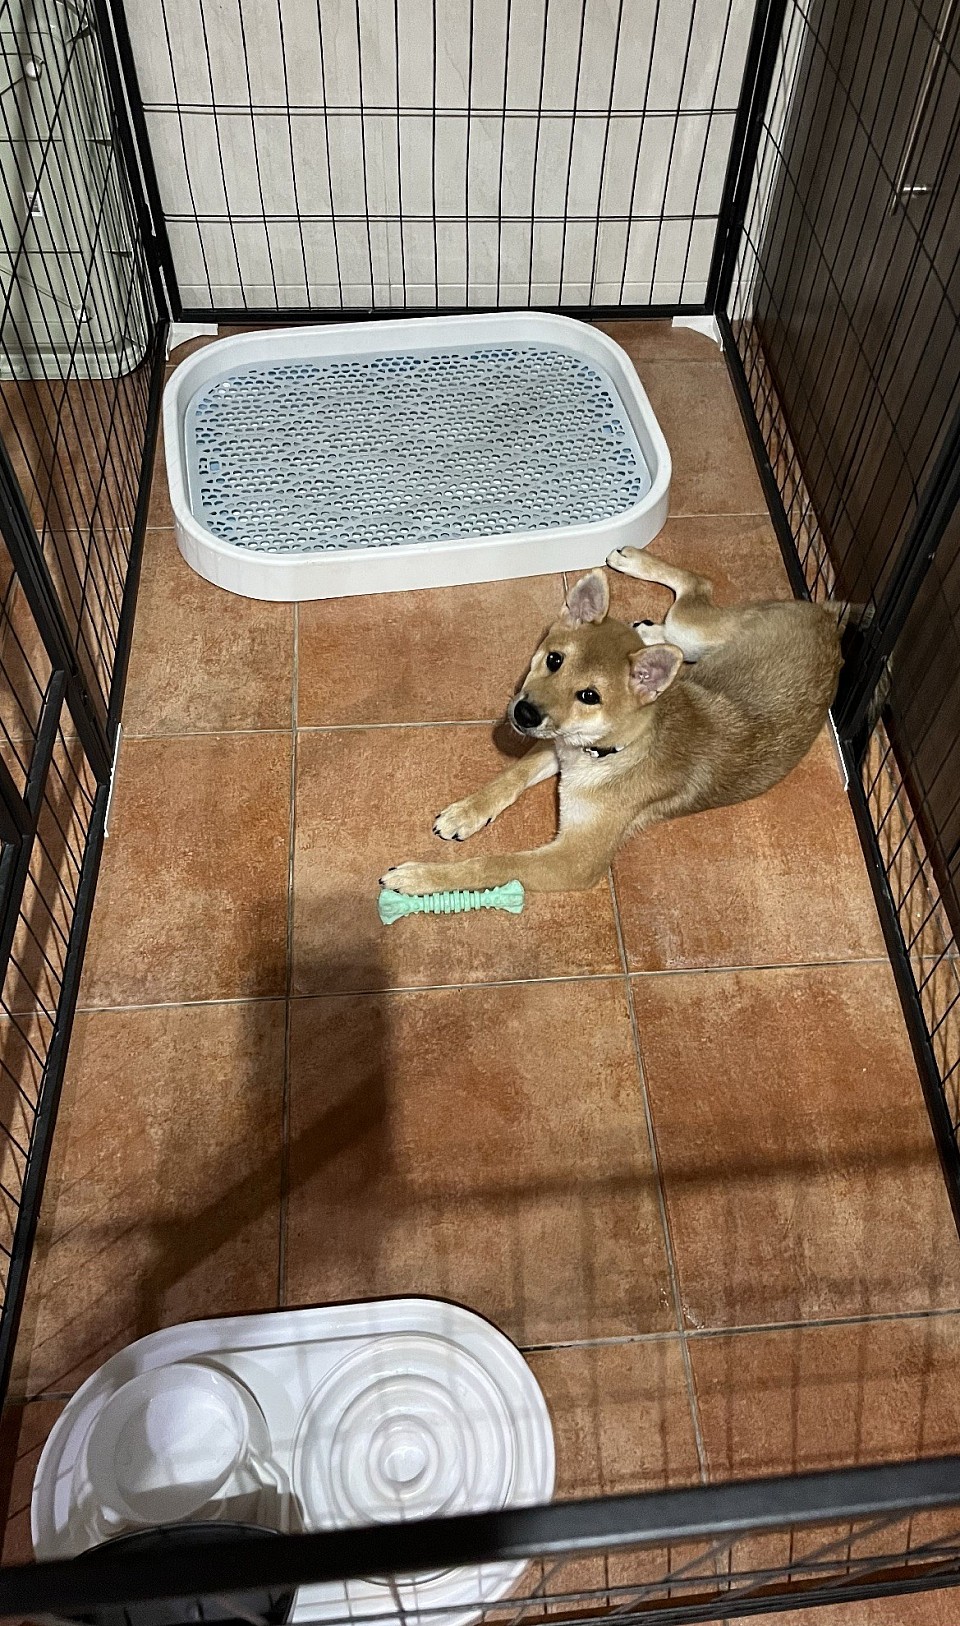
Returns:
<point x="80" y="363"/>
<point x="36" y="970"/>
<point x="844" y="319"/>
<point x="847" y="280"/>
<point x="439" y="153"/>
<point x="77" y="327"/>
<point x="911" y="777"/>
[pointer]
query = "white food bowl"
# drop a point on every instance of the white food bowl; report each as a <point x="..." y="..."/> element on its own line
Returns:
<point x="323" y="461"/>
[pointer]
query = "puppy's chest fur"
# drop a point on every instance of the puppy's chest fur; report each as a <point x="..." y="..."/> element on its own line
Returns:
<point x="589" y="784"/>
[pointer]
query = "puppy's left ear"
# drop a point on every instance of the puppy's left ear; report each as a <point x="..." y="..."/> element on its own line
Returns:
<point x="653" y="669"/>
<point x="587" y="600"/>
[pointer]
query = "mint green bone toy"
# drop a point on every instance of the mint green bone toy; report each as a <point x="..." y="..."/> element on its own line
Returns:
<point x="392" y="905"/>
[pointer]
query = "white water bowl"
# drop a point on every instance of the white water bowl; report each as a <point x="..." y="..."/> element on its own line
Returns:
<point x="370" y="457"/>
<point x="167" y="1443"/>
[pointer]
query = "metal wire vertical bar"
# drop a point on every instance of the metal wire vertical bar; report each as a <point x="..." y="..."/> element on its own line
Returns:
<point x="636" y="162"/>
<point x="466" y="171"/>
<point x="536" y="148"/>
<point x="400" y="224"/>
<point x="503" y="141"/>
<point x="744" y="146"/>
<point x="673" y="143"/>
<point x="178" y="105"/>
<point x="573" y="136"/>
<point x="704" y="148"/>
<point x="433" y="162"/>
<point x="326" y="139"/>
<point x="214" y="109"/>
<point x="363" y="155"/>
<point x="292" y="152"/>
<point x="615" y="63"/>
<point x="256" y="153"/>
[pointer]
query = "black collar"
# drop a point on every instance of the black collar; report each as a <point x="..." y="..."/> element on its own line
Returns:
<point x="602" y="750"/>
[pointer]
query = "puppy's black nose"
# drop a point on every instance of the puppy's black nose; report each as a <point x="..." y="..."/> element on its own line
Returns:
<point x="526" y="715"/>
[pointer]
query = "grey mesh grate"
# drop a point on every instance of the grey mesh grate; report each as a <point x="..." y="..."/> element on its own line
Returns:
<point x="299" y="456"/>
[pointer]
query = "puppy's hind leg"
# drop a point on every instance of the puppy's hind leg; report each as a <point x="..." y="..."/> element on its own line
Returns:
<point x="646" y="567"/>
<point x="693" y="624"/>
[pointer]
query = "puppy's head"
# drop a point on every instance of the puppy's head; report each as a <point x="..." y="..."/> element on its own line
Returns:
<point x="591" y="675"/>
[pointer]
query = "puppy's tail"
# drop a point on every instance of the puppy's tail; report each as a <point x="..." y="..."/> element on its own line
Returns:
<point x="850" y="617"/>
<point x="853" y="623"/>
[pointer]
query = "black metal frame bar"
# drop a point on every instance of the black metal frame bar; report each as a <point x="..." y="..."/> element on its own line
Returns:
<point x="131" y="586"/>
<point x="138" y="156"/>
<point x="757" y="80"/>
<point x="658" y="1519"/>
<point x="268" y="317"/>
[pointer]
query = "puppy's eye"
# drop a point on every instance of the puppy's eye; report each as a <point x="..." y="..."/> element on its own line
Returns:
<point x="589" y="697"/>
<point x="554" y="661"/>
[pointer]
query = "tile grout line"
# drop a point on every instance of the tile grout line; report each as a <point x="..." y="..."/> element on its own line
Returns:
<point x="661" y="1193"/>
<point x="615" y="1341"/>
<point x="288" y="1005"/>
<point x="612" y="975"/>
<point x="315" y="728"/>
<point x="759" y="1329"/>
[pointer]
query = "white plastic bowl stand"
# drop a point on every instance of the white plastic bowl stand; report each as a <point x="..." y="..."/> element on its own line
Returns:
<point x="360" y="1414"/>
<point x="319" y="462"/>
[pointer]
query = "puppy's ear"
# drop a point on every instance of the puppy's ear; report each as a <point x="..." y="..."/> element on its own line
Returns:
<point x="653" y="669"/>
<point x="587" y="600"/>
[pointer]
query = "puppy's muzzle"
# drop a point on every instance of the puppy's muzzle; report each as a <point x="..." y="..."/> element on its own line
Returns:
<point x="525" y="715"/>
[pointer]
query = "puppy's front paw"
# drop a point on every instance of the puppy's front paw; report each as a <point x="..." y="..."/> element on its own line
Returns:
<point x="408" y="878"/>
<point x="623" y="559"/>
<point x="460" y="821"/>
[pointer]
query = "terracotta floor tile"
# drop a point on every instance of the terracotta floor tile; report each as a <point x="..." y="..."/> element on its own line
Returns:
<point x="799" y="1166"/>
<point x="622" y="1422"/>
<point x="739" y="553"/>
<point x="365" y="800"/>
<point x="192" y="898"/>
<point x="621" y="1417"/>
<point x="160" y="512"/>
<point x="449" y="654"/>
<point x="917" y="1609"/>
<point x="777" y="881"/>
<point x="713" y="467"/>
<point x="23" y="1435"/>
<point x="657" y="340"/>
<point x="162" y="1198"/>
<point x="803" y="1399"/>
<point x="486" y="1145"/>
<point x="203" y="660"/>
<point x="812" y="1398"/>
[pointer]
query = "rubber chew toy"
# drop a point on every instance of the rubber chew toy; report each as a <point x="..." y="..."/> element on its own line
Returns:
<point x="393" y="905"/>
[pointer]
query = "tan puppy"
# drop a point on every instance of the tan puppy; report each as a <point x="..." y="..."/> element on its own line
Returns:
<point x="645" y="723"/>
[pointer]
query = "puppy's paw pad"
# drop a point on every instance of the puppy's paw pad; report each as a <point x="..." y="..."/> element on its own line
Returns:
<point x="458" y="822"/>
